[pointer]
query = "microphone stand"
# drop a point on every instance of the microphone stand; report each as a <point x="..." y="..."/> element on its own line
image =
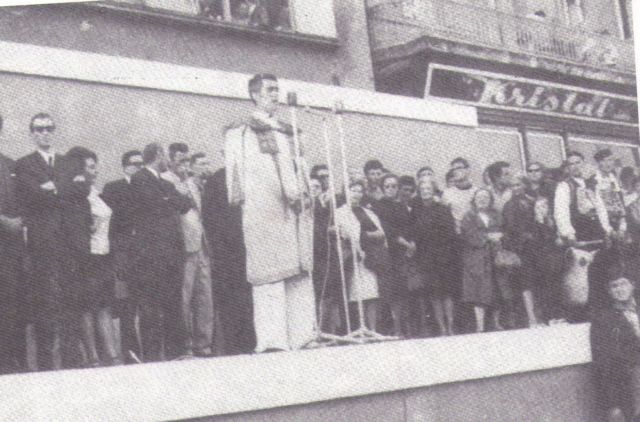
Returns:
<point x="362" y="334"/>
<point x="321" y="339"/>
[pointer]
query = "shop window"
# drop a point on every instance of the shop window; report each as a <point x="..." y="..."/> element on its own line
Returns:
<point x="545" y="148"/>
<point x="626" y="155"/>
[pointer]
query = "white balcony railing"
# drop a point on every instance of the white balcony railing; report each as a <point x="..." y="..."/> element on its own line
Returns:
<point x="401" y="21"/>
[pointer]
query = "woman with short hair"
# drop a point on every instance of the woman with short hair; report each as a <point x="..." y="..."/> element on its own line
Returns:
<point x="396" y="222"/>
<point x="435" y="235"/>
<point x="362" y="229"/>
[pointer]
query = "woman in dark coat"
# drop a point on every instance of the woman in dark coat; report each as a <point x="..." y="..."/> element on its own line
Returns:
<point x="547" y="260"/>
<point x="88" y="272"/>
<point x="396" y="223"/>
<point x="434" y="233"/>
<point x="481" y="230"/>
<point x="519" y="226"/>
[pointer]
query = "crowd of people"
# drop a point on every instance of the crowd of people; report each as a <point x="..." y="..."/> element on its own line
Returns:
<point x="175" y="260"/>
<point x="497" y="250"/>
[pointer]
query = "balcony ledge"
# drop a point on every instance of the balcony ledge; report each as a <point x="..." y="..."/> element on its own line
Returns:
<point x="387" y="55"/>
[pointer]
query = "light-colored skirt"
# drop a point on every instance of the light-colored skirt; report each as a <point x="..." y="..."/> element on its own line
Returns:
<point x="364" y="287"/>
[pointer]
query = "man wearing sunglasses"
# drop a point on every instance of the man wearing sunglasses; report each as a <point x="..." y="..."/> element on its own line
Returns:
<point x="120" y="197"/>
<point x="38" y="177"/>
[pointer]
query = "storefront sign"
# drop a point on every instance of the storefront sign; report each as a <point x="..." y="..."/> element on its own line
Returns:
<point x="509" y="92"/>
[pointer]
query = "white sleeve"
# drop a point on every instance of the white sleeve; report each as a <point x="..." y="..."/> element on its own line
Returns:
<point x="562" y="210"/>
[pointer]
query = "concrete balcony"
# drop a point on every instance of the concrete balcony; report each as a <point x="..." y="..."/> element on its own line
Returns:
<point x="401" y="27"/>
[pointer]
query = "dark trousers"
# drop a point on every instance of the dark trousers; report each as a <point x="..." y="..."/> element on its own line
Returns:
<point x="157" y="295"/>
<point x="13" y="321"/>
<point x="233" y="297"/>
<point x="45" y="297"/>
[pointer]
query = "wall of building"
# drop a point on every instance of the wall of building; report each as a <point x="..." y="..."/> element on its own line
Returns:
<point x="111" y="120"/>
<point x="86" y="28"/>
<point x="540" y="375"/>
<point x="557" y="395"/>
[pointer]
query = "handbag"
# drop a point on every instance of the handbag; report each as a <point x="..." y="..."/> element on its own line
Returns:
<point x="507" y="259"/>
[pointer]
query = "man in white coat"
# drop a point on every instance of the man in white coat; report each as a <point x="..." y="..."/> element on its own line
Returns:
<point x="265" y="178"/>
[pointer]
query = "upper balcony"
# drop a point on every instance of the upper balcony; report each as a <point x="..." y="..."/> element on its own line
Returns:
<point x="402" y="27"/>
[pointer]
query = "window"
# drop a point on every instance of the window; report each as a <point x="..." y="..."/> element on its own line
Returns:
<point x="545" y="148"/>
<point x="575" y="12"/>
<point x="542" y="10"/>
<point x="626" y="154"/>
<point x="263" y="14"/>
<point x="268" y="14"/>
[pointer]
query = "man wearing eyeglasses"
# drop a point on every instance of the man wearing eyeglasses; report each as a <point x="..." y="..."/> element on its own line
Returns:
<point x="120" y="197"/>
<point x="38" y="177"/>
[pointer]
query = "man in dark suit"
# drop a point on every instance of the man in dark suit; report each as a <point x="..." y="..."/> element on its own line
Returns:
<point x="159" y="248"/>
<point x="120" y="197"/>
<point x="12" y="323"/>
<point x="231" y="291"/>
<point x="38" y="177"/>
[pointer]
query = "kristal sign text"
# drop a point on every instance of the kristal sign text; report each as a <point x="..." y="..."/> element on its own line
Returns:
<point x="503" y="91"/>
<point x="517" y="94"/>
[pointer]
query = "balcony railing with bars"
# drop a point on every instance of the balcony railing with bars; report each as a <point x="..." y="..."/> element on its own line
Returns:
<point x="399" y="22"/>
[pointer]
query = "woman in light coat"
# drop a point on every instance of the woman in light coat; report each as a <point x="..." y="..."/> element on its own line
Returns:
<point x="362" y="230"/>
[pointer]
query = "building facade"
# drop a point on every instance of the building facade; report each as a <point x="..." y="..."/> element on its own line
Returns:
<point x="423" y="81"/>
<point x="545" y="76"/>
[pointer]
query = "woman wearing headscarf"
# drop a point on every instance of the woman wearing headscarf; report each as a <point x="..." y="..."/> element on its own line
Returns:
<point x="481" y="230"/>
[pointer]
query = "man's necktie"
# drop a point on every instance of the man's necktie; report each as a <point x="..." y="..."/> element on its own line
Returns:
<point x="50" y="159"/>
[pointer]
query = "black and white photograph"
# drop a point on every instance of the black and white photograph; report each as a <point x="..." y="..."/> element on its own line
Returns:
<point x="319" y="210"/>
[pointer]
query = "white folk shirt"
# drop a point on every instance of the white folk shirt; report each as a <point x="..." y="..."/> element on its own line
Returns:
<point x="101" y="215"/>
<point x="610" y="192"/>
<point x="191" y="221"/>
<point x="562" y="208"/>
<point x="262" y="183"/>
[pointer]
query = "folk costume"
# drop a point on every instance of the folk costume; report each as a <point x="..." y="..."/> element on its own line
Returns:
<point x="262" y="179"/>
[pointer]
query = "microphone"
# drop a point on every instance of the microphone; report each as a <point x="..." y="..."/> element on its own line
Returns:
<point x="292" y="98"/>
<point x="309" y="110"/>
